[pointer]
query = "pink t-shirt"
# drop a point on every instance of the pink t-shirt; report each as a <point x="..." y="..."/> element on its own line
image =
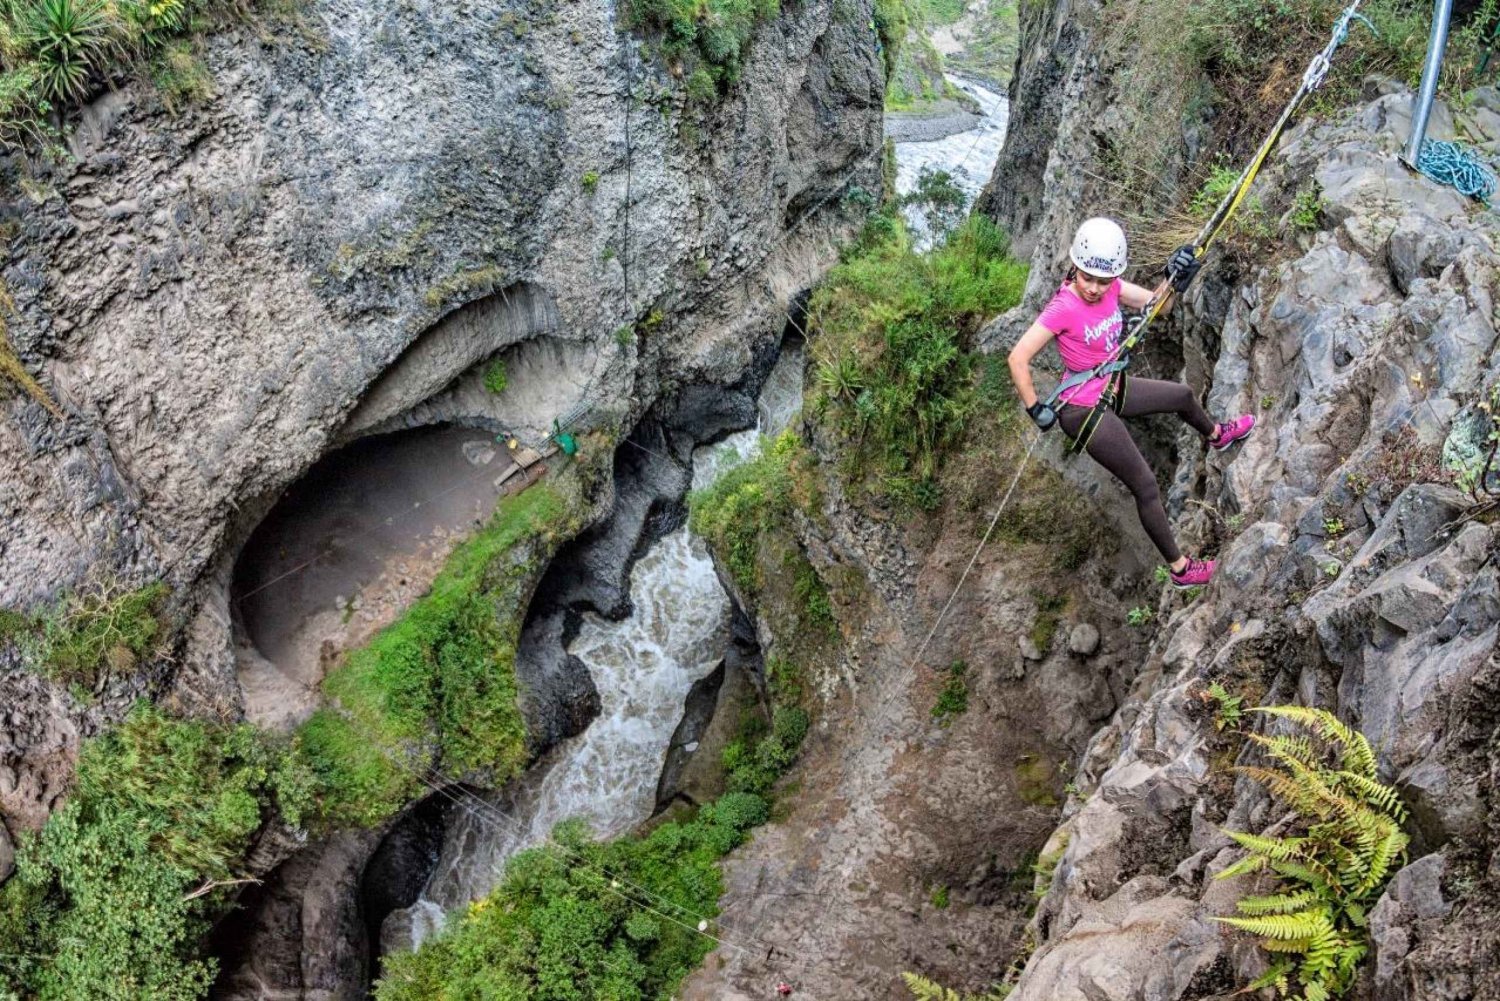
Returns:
<point x="1086" y="336"/>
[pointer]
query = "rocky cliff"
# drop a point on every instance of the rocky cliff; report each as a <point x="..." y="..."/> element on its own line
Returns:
<point x="378" y="204"/>
<point x="372" y="207"/>
<point x="1353" y="311"/>
<point x="1354" y="576"/>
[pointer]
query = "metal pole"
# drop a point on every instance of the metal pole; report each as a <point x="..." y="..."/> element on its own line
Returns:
<point x="1436" y="43"/>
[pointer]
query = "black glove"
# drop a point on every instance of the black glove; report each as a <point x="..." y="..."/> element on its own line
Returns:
<point x="1183" y="267"/>
<point x="1044" y="416"/>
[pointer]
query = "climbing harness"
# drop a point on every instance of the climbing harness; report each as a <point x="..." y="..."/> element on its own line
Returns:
<point x="1115" y="365"/>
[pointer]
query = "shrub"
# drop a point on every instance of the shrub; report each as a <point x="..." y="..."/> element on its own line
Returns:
<point x="180" y="75"/>
<point x="811" y="594"/>
<point x="100" y="629"/>
<point x="1347" y="842"/>
<point x="744" y="503"/>
<point x="891" y="331"/>
<point x="112" y="898"/>
<point x="953" y="700"/>
<point x="590" y="181"/>
<point x="495" y="377"/>
<point x="68" y="40"/>
<point x="703" y="41"/>
<point x="1307" y="208"/>
<point x="757" y="758"/>
<point x="583" y="919"/>
<point x="59" y="52"/>
<point x="940" y="199"/>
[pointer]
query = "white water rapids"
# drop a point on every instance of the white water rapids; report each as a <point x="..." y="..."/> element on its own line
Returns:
<point x="643" y="667"/>
<point x="968" y="157"/>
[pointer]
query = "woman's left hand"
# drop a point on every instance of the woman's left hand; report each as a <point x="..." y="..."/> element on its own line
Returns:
<point x="1183" y="267"/>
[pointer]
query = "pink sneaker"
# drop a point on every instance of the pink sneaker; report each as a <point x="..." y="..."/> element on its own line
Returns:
<point x="1226" y="433"/>
<point x="1195" y="574"/>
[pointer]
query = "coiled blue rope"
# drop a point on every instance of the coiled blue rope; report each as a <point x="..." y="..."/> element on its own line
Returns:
<point x="1450" y="163"/>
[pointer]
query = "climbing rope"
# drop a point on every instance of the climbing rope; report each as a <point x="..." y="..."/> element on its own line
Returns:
<point x="1450" y="163"/>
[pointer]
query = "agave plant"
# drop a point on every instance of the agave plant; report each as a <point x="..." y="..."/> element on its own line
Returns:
<point x="1331" y="872"/>
<point x="68" y="39"/>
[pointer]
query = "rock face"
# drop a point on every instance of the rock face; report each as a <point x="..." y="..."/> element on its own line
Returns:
<point x="1350" y="579"/>
<point x="187" y="272"/>
<point x="1352" y="576"/>
<point x="341" y="242"/>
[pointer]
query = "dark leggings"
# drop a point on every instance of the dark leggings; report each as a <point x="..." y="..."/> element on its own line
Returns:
<point x="1113" y="448"/>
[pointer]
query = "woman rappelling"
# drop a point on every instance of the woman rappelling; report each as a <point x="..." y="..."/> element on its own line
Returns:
<point x="1085" y="319"/>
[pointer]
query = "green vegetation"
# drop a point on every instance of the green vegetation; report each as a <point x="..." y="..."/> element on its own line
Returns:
<point x="439" y="683"/>
<point x="1049" y="609"/>
<point x="759" y="755"/>
<point x="892" y="19"/>
<point x="464" y="283"/>
<point x="811" y="594"/>
<point x="923" y="989"/>
<point x="939" y="898"/>
<point x="989" y="53"/>
<point x="1229" y="709"/>
<point x="1307" y="208"/>
<point x="941" y="11"/>
<point x="1045" y="868"/>
<point x="11" y="369"/>
<point x="1220" y="181"/>
<point x="181" y="76"/>
<point x="703" y="41"/>
<point x="99" y="630"/>
<point x="1233" y="62"/>
<point x="112" y="898"/>
<point x="1138" y="616"/>
<point x="746" y="502"/>
<point x="56" y="53"/>
<point x="496" y="378"/>
<point x="1036" y="780"/>
<point x="953" y="700"/>
<point x="590" y="181"/>
<point x="1468" y="456"/>
<point x="1347" y="842"/>
<point x="942" y="202"/>
<point x="565" y="925"/>
<point x="892" y="331"/>
<point x="916" y="77"/>
<point x="580" y="919"/>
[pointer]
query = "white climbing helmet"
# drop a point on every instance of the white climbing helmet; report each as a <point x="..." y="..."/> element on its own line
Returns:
<point x="1099" y="248"/>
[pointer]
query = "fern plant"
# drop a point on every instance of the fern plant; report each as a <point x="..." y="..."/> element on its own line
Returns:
<point x="927" y="990"/>
<point x="1348" y="841"/>
<point x="1229" y="709"/>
